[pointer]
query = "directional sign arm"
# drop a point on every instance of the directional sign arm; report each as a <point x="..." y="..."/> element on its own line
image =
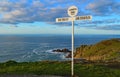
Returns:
<point x="83" y="17"/>
<point x="65" y="19"/>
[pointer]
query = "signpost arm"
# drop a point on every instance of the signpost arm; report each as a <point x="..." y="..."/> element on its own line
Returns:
<point x="72" y="62"/>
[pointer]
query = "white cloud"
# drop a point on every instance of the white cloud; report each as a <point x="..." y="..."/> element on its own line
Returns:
<point x="100" y="7"/>
<point x="26" y="11"/>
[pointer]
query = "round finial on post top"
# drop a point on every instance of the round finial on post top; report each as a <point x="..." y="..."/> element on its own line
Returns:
<point x="72" y="11"/>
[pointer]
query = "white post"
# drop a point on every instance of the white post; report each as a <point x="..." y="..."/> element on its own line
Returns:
<point x="72" y="55"/>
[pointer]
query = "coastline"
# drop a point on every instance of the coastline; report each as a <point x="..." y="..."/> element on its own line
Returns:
<point x="39" y="47"/>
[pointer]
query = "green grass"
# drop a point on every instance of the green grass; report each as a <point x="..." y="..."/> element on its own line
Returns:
<point x="104" y="50"/>
<point x="58" y="68"/>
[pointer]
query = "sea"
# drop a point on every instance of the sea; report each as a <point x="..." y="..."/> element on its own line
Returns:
<point x="39" y="47"/>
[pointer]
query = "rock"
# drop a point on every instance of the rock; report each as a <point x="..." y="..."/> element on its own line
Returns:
<point x="62" y="50"/>
<point x="68" y="55"/>
<point x="66" y="50"/>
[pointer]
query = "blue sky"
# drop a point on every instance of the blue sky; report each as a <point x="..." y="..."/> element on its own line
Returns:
<point x="38" y="16"/>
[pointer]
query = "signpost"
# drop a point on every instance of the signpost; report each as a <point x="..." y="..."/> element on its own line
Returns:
<point x="72" y="12"/>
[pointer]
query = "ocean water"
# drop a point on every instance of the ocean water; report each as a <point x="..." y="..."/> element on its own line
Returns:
<point x="25" y="48"/>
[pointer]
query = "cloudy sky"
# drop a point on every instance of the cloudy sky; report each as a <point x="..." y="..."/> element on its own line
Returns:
<point x="38" y="16"/>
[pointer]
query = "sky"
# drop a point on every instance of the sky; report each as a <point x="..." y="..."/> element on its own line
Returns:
<point x="38" y="16"/>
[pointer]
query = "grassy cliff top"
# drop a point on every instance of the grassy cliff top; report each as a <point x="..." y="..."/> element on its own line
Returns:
<point x="104" y="50"/>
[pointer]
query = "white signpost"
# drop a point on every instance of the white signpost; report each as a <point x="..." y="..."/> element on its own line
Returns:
<point x="72" y="12"/>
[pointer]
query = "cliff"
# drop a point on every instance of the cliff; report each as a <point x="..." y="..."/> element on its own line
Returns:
<point x="107" y="50"/>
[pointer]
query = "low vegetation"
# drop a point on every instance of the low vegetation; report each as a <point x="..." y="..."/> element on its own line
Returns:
<point x="60" y="68"/>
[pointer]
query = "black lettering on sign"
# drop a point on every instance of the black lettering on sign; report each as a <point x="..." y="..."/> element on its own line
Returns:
<point x="72" y="12"/>
<point x="77" y="18"/>
<point x="59" y="19"/>
<point x="64" y="19"/>
<point x="89" y="17"/>
<point x="72" y="9"/>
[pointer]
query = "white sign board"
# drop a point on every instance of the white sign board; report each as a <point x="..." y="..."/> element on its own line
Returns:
<point x="72" y="11"/>
<point x="83" y="17"/>
<point x="67" y="19"/>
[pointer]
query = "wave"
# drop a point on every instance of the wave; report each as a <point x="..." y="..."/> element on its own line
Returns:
<point x="49" y="51"/>
<point x="35" y="51"/>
